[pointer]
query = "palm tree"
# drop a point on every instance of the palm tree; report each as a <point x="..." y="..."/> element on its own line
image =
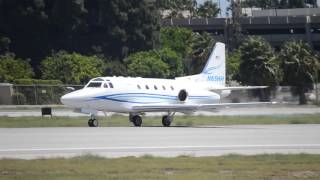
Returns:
<point x="208" y="9"/>
<point x="258" y="65"/>
<point x="201" y="49"/>
<point x="299" y="66"/>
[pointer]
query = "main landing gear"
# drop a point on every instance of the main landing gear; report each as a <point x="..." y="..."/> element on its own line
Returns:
<point x="137" y="120"/>
<point x="167" y="119"/>
<point x="93" y="122"/>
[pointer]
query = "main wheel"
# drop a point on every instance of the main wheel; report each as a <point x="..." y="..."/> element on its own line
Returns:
<point x="93" y="123"/>
<point x="166" y="121"/>
<point x="90" y="123"/>
<point x="137" y="120"/>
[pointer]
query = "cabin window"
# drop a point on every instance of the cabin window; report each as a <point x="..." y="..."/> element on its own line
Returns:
<point x="163" y="87"/>
<point x="155" y="87"/>
<point x="138" y="86"/>
<point x="147" y="87"/>
<point x="111" y="85"/>
<point x="94" y="84"/>
<point x="172" y="88"/>
<point x="105" y="85"/>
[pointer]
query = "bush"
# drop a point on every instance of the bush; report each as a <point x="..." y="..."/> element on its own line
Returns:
<point x="71" y="68"/>
<point x="12" y="68"/>
<point x="37" y="81"/>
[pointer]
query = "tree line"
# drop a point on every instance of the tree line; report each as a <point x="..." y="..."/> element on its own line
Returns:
<point x="255" y="62"/>
<point x="73" y="41"/>
<point x="279" y="4"/>
<point x="179" y="52"/>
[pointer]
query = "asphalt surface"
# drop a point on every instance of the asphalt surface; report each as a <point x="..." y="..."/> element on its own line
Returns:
<point x="12" y="111"/>
<point x="30" y="143"/>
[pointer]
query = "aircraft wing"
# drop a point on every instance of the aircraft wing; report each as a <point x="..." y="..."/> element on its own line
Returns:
<point x="191" y="107"/>
<point x="238" y="88"/>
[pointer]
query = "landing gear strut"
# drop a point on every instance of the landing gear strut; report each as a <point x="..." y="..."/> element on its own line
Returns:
<point x="167" y="119"/>
<point x="93" y="122"/>
<point x="136" y="120"/>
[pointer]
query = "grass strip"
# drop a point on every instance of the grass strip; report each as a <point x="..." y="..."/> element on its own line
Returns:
<point x="275" y="166"/>
<point x="119" y="120"/>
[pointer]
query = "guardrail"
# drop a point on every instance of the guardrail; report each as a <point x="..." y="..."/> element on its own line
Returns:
<point x="280" y="20"/>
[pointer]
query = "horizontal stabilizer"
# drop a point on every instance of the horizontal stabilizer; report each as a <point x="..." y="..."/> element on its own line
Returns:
<point x="238" y="88"/>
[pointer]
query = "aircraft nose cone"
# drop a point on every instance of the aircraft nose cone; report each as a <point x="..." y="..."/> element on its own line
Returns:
<point x="69" y="99"/>
<point x="65" y="99"/>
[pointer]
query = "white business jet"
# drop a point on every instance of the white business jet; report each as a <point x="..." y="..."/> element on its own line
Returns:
<point x="138" y="95"/>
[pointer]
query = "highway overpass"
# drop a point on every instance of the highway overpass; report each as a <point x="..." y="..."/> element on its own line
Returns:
<point x="275" y="29"/>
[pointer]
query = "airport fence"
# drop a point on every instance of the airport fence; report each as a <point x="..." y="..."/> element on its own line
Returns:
<point x="50" y="94"/>
<point x="40" y="94"/>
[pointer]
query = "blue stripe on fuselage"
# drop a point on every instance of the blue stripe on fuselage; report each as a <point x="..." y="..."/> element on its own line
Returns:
<point x="118" y="97"/>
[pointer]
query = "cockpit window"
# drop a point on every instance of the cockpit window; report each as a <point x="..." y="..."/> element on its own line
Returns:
<point x="111" y="85"/>
<point x="105" y="85"/>
<point x="94" y="84"/>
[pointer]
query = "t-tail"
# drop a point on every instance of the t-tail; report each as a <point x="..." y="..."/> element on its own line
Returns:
<point x="214" y="72"/>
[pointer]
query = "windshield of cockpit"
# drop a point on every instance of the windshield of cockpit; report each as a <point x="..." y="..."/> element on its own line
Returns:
<point x="95" y="83"/>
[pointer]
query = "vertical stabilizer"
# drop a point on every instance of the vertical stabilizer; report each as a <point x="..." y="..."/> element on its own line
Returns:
<point x="214" y="72"/>
<point x="215" y="69"/>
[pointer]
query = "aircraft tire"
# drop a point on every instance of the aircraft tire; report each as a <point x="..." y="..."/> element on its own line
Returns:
<point x="93" y="123"/>
<point x="137" y="120"/>
<point x="166" y="121"/>
<point x="90" y="123"/>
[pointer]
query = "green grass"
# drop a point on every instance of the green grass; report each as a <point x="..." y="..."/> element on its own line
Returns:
<point x="300" y="166"/>
<point x="119" y="120"/>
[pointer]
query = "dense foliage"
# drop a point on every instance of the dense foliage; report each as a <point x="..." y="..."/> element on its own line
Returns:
<point x="71" y="68"/>
<point x="34" y="28"/>
<point x="12" y="68"/>
<point x="300" y="67"/>
<point x="147" y="64"/>
<point x="187" y="8"/>
<point x="194" y="48"/>
<point x="280" y="4"/>
<point x="208" y="9"/>
<point x="259" y="65"/>
<point x="232" y="65"/>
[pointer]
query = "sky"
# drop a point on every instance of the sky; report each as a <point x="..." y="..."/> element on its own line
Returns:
<point x="223" y="3"/>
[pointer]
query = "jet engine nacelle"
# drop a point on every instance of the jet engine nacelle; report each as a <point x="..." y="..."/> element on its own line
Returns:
<point x="183" y="95"/>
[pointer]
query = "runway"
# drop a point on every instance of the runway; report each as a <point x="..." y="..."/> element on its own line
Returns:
<point x="12" y="111"/>
<point x="30" y="143"/>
